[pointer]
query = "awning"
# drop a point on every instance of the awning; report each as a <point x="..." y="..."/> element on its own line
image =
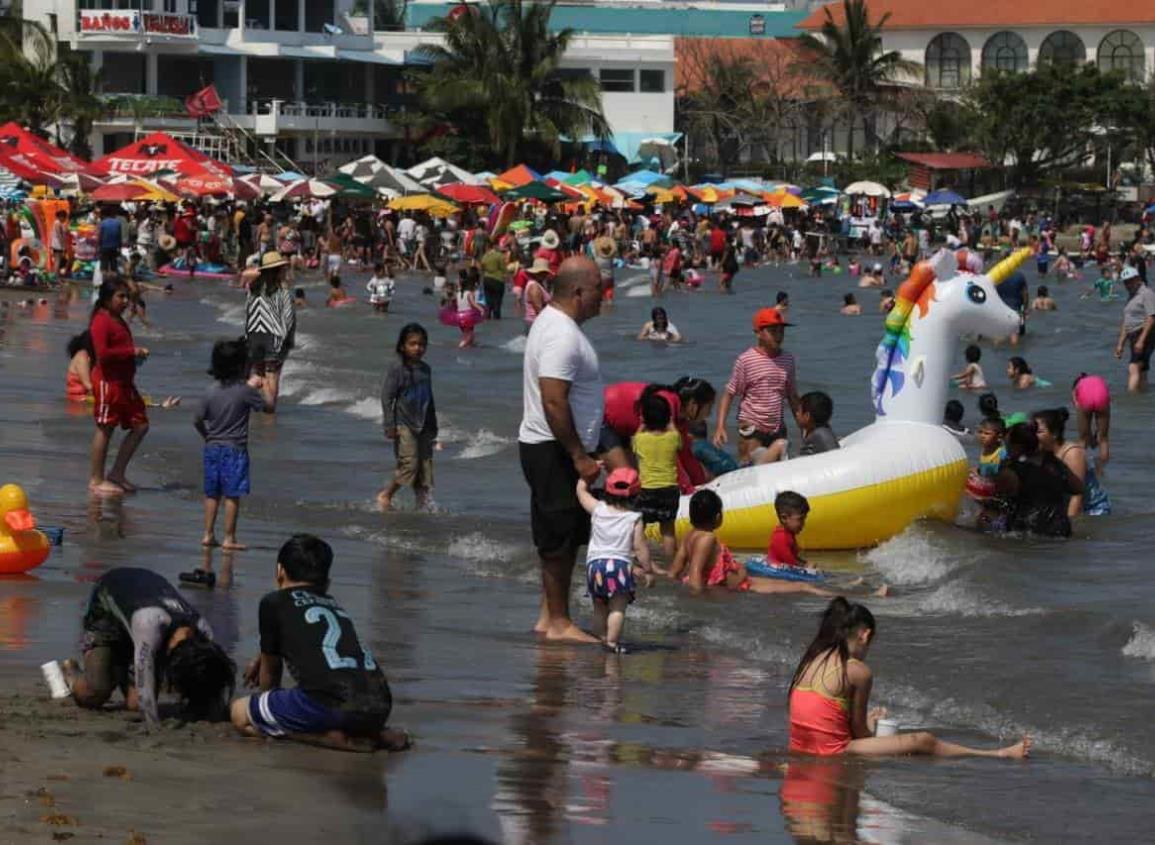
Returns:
<point x="626" y="144"/>
<point x="219" y="50"/>
<point x="323" y="53"/>
<point x="946" y="161"/>
<point x="367" y="56"/>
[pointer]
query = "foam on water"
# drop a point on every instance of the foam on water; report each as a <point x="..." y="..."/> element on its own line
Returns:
<point x="1142" y="642"/>
<point x="637" y="292"/>
<point x="515" y="344"/>
<point x="477" y="546"/>
<point x="912" y="558"/>
<point x="483" y="444"/>
<point x="955" y="599"/>
<point x="326" y="396"/>
<point x="365" y="409"/>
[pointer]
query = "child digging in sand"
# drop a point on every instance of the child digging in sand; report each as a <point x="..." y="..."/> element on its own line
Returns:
<point x="341" y="699"/>
<point x="223" y="421"/>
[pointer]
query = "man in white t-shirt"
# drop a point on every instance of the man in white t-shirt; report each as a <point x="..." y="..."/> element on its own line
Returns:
<point x="406" y="232"/>
<point x="561" y="420"/>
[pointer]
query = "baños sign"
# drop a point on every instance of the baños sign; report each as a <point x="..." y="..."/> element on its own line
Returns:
<point x="103" y="22"/>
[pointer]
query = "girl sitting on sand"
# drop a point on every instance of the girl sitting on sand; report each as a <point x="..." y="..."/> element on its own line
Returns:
<point x="830" y="696"/>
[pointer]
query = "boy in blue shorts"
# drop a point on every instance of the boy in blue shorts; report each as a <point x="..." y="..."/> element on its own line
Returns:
<point x="341" y="699"/>
<point x="223" y="421"/>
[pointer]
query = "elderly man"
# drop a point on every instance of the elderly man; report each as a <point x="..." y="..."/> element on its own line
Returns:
<point x="561" y="420"/>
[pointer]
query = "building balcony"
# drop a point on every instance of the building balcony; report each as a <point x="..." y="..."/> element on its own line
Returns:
<point x="274" y="117"/>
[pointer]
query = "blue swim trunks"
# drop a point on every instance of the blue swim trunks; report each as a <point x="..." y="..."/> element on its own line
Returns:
<point x="291" y="711"/>
<point x="226" y="471"/>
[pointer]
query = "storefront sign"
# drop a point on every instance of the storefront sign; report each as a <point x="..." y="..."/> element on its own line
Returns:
<point x="105" y="23"/>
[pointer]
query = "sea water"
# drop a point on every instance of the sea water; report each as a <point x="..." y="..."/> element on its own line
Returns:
<point x="985" y="638"/>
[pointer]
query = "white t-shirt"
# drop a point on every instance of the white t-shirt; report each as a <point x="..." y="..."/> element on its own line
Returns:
<point x="557" y="348"/>
<point x="611" y="533"/>
<point x="380" y="290"/>
<point x="406" y="228"/>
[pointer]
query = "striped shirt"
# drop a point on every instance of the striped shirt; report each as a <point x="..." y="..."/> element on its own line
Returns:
<point x="761" y="384"/>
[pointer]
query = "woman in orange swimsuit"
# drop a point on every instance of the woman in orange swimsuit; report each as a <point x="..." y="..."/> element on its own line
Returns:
<point x="830" y="692"/>
<point x="78" y="380"/>
<point x="703" y="561"/>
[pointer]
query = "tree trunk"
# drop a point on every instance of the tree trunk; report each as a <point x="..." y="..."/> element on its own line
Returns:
<point x="850" y="139"/>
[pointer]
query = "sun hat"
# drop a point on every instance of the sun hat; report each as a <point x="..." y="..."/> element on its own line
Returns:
<point x="166" y="242"/>
<point x="604" y="247"/>
<point x="877" y="268"/>
<point x="766" y="317"/>
<point x="540" y="265"/>
<point x="1128" y="274"/>
<point x="623" y="482"/>
<point x="272" y="259"/>
<point x="550" y="239"/>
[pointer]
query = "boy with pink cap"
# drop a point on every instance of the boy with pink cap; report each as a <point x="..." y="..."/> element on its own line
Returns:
<point x="617" y="536"/>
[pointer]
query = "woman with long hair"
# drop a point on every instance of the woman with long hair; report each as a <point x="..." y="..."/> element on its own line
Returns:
<point x="830" y="697"/>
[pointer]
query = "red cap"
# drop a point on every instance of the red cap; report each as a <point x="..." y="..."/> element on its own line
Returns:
<point x="769" y="317"/>
<point x="623" y="482"/>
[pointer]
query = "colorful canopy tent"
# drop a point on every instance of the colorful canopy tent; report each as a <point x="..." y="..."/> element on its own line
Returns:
<point x="570" y="191"/>
<point x="384" y="179"/>
<point x="535" y="191"/>
<point x="944" y="197"/>
<point x="305" y="189"/>
<point x="133" y="190"/>
<point x="156" y="152"/>
<point x="436" y="206"/>
<point x="438" y="171"/>
<point x="520" y="175"/>
<point x="627" y="144"/>
<point x="820" y="195"/>
<point x="262" y="183"/>
<point x="644" y="178"/>
<point x="16" y="140"/>
<point x="785" y="200"/>
<point x="870" y="189"/>
<point x="351" y="188"/>
<point x="581" y="177"/>
<point x="468" y="194"/>
<point x="196" y="186"/>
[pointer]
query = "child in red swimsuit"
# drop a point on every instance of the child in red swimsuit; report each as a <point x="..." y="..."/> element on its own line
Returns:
<point x="792" y="509"/>
<point x="703" y="560"/>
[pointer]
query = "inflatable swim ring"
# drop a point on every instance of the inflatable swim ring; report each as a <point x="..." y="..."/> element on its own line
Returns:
<point x="203" y="270"/>
<point x="762" y="568"/>
<point x="22" y="547"/>
<point x="903" y="467"/>
<point x="450" y="316"/>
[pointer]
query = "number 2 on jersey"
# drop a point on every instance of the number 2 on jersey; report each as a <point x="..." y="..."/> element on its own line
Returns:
<point x="332" y="637"/>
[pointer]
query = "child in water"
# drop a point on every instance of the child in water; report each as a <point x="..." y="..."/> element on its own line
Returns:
<point x="814" y="412"/>
<point x="992" y="452"/>
<point x="223" y="421"/>
<point x="703" y="561"/>
<point x="337" y="294"/>
<point x="380" y="287"/>
<point x="850" y="306"/>
<point x="656" y="445"/>
<point x="410" y="417"/>
<point x="1043" y="300"/>
<point x="1092" y="400"/>
<point x="830" y="698"/>
<point x="791" y="509"/>
<point x="617" y="536"/>
<point x="972" y="376"/>
<point x="1019" y="372"/>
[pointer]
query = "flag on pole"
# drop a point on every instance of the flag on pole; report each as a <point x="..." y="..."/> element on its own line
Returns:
<point x="204" y="102"/>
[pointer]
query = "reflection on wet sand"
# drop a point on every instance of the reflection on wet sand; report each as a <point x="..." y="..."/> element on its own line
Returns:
<point x="15" y="612"/>
<point x="820" y="799"/>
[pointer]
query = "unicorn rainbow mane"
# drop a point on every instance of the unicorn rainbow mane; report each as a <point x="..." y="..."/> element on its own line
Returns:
<point x="894" y="348"/>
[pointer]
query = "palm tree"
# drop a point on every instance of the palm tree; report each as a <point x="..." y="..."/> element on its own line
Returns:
<point x="30" y="89"/>
<point x="497" y="69"/>
<point x="849" y="58"/>
<point x="82" y="105"/>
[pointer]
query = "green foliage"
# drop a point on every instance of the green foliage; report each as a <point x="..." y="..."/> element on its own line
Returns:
<point x="1050" y="118"/>
<point x="496" y="78"/>
<point x="849" y="59"/>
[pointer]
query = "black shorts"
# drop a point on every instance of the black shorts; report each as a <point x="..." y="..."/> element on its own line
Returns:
<point x="560" y="524"/>
<point x="764" y="438"/>
<point x="263" y="349"/>
<point x="659" y="505"/>
<point x="106" y="646"/>
<point x="1143" y="359"/>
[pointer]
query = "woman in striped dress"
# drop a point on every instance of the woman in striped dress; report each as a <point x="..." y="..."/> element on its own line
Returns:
<point x="270" y="321"/>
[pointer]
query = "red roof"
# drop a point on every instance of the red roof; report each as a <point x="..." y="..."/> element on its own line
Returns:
<point x="919" y="14"/>
<point x="159" y="151"/>
<point x="946" y="161"/>
<point x="776" y="60"/>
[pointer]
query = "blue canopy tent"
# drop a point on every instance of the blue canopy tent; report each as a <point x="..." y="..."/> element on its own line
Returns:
<point x="945" y="197"/>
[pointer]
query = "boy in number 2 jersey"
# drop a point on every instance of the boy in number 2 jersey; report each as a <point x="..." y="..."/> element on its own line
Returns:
<point x="341" y="699"/>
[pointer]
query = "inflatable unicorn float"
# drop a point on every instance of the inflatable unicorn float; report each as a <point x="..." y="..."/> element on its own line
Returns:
<point x="904" y="466"/>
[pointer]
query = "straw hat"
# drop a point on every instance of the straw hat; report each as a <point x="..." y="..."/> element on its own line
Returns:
<point x="166" y="242"/>
<point x="540" y="265"/>
<point x="605" y="247"/>
<point x="550" y="240"/>
<point x="272" y="259"/>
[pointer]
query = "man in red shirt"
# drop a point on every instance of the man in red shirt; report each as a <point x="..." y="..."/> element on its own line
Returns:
<point x="763" y="382"/>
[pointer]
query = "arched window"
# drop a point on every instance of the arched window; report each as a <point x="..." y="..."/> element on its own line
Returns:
<point x="948" y="61"/>
<point x="1062" y="48"/>
<point x="1006" y="51"/>
<point x="1122" y="50"/>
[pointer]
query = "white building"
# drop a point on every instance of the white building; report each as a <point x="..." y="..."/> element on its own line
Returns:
<point x="307" y="76"/>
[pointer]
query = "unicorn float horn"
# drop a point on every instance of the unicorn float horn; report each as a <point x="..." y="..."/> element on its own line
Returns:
<point x="1001" y="271"/>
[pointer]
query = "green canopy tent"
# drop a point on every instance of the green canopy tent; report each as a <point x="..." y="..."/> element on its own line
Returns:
<point x="535" y="191"/>
<point x="350" y="188"/>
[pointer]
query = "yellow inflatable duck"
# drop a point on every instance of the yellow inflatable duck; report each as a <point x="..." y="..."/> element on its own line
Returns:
<point x="22" y="547"/>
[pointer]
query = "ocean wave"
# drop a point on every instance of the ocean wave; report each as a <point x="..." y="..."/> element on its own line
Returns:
<point x="478" y="546"/>
<point x="955" y="599"/>
<point x="515" y="344"/>
<point x="483" y="444"/>
<point x="638" y="291"/>
<point x="326" y="396"/>
<point x="1142" y="642"/>
<point x="912" y="558"/>
<point x="365" y="409"/>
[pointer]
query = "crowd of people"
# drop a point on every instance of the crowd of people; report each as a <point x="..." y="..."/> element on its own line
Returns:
<point x="652" y="443"/>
